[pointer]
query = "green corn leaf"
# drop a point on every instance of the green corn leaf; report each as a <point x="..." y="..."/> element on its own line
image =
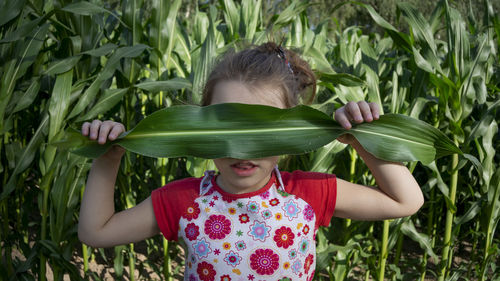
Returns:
<point x="22" y="31"/>
<point x="408" y="228"/>
<point x="400" y="38"/>
<point x="27" y="98"/>
<point x="101" y="51"/>
<point x="63" y="65"/>
<point x="85" y="8"/>
<point x="203" y="65"/>
<point x="10" y="10"/>
<point x="106" y="73"/>
<point x="345" y="79"/>
<point x="292" y="11"/>
<point x="232" y="16"/>
<point x="252" y="131"/>
<point x="419" y="25"/>
<point x="169" y="85"/>
<point x="26" y="157"/>
<point x="109" y="99"/>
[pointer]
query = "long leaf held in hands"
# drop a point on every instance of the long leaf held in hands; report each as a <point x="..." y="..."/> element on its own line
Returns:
<point x="251" y="131"/>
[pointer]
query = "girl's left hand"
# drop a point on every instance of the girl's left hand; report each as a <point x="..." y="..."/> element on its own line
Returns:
<point x="357" y="112"/>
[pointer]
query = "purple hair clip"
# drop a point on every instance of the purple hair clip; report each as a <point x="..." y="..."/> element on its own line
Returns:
<point x="281" y="55"/>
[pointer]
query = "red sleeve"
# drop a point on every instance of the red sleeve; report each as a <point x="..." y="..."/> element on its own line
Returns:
<point x="169" y="202"/>
<point x="318" y="189"/>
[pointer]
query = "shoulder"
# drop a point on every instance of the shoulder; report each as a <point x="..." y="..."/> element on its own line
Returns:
<point x="170" y="201"/>
<point x="300" y="178"/>
<point x="310" y="186"/>
<point x="317" y="189"/>
<point x="177" y="193"/>
<point x="182" y="186"/>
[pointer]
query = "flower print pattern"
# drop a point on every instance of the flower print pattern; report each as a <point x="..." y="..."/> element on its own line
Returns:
<point x="308" y="213"/>
<point x="192" y="231"/>
<point x="305" y="230"/>
<point x="217" y="227"/>
<point x="274" y="201"/>
<point x="286" y="265"/>
<point x="202" y="248"/>
<point x="249" y="238"/>
<point x="303" y="246"/>
<point x="253" y="207"/>
<point x="297" y="267"/>
<point x="283" y="193"/>
<point x="264" y="261"/>
<point x="310" y="278"/>
<point x="292" y="254"/>
<point x="192" y="212"/>
<point x="240" y="245"/>
<point x="283" y="237"/>
<point x="264" y="195"/>
<point x="259" y="231"/>
<point x="278" y="216"/>
<point x="308" y="263"/>
<point x="244" y="218"/>
<point x="266" y="214"/>
<point x="232" y="259"/>
<point x="291" y="209"/>
<point x="206" y="271"/>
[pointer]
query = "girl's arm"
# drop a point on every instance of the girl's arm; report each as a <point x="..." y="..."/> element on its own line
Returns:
<point x="397" y="195"/>
<point x="99" y="225"/>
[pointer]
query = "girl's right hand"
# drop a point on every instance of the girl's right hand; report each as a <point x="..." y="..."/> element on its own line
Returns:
<point x="102" y="131"/>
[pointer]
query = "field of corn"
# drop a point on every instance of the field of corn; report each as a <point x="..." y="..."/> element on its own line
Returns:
<point x="63" y="63"/>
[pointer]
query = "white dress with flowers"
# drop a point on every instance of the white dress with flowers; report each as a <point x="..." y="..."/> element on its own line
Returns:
<point x="263" y="235"/>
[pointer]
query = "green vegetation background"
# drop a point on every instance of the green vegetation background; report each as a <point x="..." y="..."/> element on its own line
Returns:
<point x="63" y="62"/>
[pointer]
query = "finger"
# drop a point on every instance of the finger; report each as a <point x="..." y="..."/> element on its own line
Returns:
<point x="94" y="129"/>
<point x="116" y="131"/>
<point x="342" y="119"/>
<point x="85" y="128"/>
<point x="352" y="109"/>
<point x="104" y="131"/>
<point x="375" y="110"/>
<point x="365" y="111"/>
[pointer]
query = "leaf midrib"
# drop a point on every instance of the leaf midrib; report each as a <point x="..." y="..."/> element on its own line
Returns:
<point x="393" y="137"/>
<point x="227" y="132"/>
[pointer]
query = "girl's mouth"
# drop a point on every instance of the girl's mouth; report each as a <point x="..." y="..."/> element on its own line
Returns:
<point x="244" y="168"/>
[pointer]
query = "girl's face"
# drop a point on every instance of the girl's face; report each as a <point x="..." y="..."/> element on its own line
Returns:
<point x="239" y="175"/>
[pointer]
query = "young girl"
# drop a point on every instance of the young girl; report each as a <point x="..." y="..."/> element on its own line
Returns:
<point x="249" y="221"/>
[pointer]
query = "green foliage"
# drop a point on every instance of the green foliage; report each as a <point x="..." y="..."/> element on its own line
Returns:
<point x="63" y="62"/>
<point x="256" y="131"/>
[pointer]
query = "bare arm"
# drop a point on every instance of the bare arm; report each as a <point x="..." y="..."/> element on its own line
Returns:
<point x="99" y="225"/>
<point x="397" y="195"/>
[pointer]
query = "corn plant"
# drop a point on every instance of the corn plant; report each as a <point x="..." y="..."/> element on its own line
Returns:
<point x="64" y="62"/>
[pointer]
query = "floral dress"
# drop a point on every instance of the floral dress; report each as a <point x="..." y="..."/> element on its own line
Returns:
<point x="264" y="235"/>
